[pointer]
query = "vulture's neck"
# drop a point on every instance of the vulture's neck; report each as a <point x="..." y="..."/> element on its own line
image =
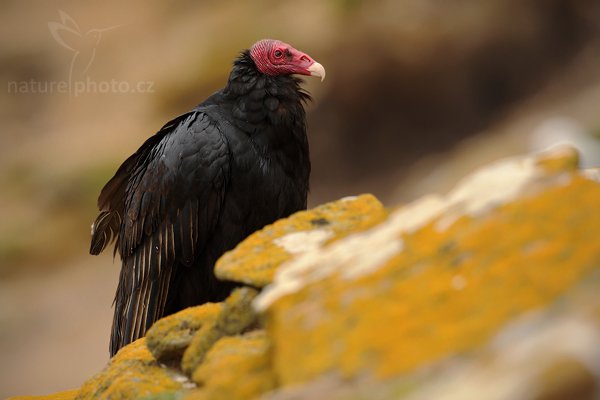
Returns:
<point x="259" y="98"/>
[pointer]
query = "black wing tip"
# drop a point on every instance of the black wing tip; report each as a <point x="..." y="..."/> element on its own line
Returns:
<point x="104" y="231"/>
<point x="96" y="248"/>
<point x="117" y="342"/>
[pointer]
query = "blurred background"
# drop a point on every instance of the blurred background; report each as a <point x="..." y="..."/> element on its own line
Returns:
<point x="418" y="93"/>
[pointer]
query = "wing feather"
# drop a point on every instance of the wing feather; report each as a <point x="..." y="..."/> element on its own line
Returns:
<point x="161" y="205"/>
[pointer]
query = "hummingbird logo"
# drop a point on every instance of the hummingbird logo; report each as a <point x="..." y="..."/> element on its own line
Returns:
<point x="83" y="45"/>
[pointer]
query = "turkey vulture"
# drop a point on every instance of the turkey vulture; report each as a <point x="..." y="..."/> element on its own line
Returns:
<point x="202" y="183"/>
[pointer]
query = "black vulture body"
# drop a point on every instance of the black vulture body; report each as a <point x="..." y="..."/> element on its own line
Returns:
<point x="194" y="190"/>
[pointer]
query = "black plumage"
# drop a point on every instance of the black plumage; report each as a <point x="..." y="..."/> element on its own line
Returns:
<point x="205" y="181"/>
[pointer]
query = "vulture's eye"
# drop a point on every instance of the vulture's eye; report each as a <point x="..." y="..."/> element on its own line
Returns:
<point x="278" y="54"/>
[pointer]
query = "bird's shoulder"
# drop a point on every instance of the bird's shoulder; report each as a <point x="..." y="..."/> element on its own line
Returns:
<point x="186" y="161"/>
<point x="197" y="141"/>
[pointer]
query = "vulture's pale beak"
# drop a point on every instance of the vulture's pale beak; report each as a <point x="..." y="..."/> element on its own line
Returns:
<point x="317" y="69"/>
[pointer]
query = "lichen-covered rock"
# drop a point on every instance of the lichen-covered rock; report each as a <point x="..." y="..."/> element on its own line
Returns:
<point x="545" y="354"/>
<point x="255" y="260"/>
<point x="169" y="337"/>
<point x="236" y="316"/>
<point x="236" y="367"/>
<point x="439" y="277"/>
<point x="132" y="373"/>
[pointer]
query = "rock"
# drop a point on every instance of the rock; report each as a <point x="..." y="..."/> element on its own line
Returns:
<point x="132" y="373"/>
<point x="236" y="316"/>
<point x="255" y="260"/>
<point x="439" y="277"/>
<point x="236" y="367"/>
<point x="169" y="337"/>
<point x="545" y="354"/>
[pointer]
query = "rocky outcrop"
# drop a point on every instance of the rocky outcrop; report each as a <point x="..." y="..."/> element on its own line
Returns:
<point x="487" y="292"/>
<point x="256" y="259"/>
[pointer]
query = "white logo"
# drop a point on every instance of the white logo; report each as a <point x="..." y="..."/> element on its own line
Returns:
<point x="83" y="45"/>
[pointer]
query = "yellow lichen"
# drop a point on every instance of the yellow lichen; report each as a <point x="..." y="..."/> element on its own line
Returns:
<point x="132" y="373"/>
<point x="236" y="367"/>
<point x="170" y="336"/>
<point x="445" y="293"/>
<point x="560" y="159"/>
<point x="255" y="260"/>
<point x="235" y="317"/>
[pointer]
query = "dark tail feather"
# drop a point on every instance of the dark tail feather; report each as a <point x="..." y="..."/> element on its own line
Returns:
<point x="141" y="294"/>
<point x="104" y="231"/>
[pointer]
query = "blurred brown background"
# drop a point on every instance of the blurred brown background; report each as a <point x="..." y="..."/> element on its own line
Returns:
<point x="418" y="92"/>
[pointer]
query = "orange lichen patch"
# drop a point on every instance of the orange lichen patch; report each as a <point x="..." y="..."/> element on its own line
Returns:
<point x="170" y="336"/>
<point x="236" y="367"/>
<point x="135" y="352"/>
<point x="445" y="293"/>
<point x="132" y="373"/>
<point x="235" y="317"/>
<point x="65" y="395"/>
<point x="256" y="259"/>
